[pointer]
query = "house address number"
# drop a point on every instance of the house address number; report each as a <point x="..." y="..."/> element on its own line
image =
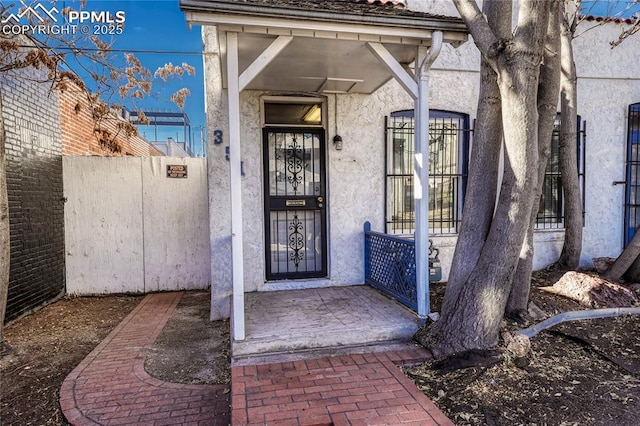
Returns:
<point x="176" y="171"/>
<point x="217" y="137"/>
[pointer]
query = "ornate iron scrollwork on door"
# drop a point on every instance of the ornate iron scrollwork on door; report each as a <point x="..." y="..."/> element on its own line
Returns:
<point x="294" y="164"/>
<point x="296" y="240"/>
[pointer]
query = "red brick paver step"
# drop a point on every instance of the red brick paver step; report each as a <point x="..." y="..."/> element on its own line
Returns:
<point x="110" y="386"/>
<point x="354" y="390"/>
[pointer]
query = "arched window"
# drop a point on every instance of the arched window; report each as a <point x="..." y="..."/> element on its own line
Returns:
<point x="448" y="159"/>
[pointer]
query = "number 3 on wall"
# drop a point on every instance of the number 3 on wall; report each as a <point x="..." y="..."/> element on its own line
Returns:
<point x="217" y="137"/>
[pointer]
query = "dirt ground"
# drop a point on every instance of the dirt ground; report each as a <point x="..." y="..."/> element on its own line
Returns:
<point x="189" y="331"/>
<point x="46" y="346"/>
<point x="578" y="373"/>
<point x="582" y="373"/>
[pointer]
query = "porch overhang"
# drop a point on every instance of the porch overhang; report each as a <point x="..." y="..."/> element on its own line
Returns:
<point x="328" y="53"/>
<point x="324" y="47"/>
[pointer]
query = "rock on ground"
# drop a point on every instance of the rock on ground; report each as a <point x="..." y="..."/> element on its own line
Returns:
<point x="593" y="291"/>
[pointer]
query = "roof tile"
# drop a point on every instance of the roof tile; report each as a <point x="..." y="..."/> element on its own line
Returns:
<point x="355" y="9"/>
<point x="394" y="3"/>
<point x="617" y="20"/>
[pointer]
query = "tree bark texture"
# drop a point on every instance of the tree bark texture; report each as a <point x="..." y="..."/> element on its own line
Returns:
<point x="548" y="93"/>
<point x="626" y="259"/>
<point x="4" y="227"/>
<point x="633" y="273"/>
<point x="482" y="186"/>
<point x="472" y="321"/>
<point x="572" y="248"/>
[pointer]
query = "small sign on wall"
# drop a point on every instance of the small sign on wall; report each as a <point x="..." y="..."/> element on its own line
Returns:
<point x="176" y="171"/>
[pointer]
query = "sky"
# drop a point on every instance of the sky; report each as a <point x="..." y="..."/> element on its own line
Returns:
<point x="160" y="28"/>
<point x="618" y="8"/>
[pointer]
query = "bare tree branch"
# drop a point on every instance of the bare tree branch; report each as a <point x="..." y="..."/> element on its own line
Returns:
<point x="627" y="33"/>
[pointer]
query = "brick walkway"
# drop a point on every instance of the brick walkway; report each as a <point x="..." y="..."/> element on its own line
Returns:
<point x="110" y="385"/>
<point x="354" y="390"/>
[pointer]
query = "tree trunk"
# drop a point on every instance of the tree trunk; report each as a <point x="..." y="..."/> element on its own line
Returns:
<point x="572" y="248"/>
<point x="548" y="92"/>
<point x="474" y="321"/>
<point x="4" y="227"/>
<point x="482" y="186"/>
<point x="626" y="259"/>
<point x="632" y="274"/>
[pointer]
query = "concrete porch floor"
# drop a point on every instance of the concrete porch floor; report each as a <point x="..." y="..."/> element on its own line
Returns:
<point x="335" y="317"/>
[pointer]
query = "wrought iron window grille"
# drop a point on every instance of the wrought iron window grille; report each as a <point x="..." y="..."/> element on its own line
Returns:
<point x="551" y="211"/>
<point x="449" y="139"/>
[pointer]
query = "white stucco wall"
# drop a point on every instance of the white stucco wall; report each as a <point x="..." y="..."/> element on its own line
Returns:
<point x="219" y="181"/>
<point x="608" y="82"/>
<point x="355" y="176"/>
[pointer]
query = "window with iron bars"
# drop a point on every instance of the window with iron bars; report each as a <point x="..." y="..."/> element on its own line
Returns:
<point x="551" y="210"/>
<point x="449" y="141"/>
<point x="449" y="136"/>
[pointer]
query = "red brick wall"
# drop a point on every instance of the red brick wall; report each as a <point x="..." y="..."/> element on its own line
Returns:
<point x="79" y="135"/>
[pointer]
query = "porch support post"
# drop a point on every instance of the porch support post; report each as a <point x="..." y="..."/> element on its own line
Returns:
<point x="424" y="61"/>
<point x="233" y="90"/>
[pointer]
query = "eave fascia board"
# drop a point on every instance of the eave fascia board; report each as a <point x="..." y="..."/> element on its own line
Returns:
<point x="434" y="22"/>
<point x="262" y="25"/>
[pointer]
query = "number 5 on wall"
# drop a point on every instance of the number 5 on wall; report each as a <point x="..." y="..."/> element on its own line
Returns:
<point x="228" y="158"/>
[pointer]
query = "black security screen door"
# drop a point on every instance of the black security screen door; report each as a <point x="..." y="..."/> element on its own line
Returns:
<point x="295" y="203"/>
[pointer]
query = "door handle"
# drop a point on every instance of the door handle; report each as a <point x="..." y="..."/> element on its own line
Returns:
<point x="320" y="201"/>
